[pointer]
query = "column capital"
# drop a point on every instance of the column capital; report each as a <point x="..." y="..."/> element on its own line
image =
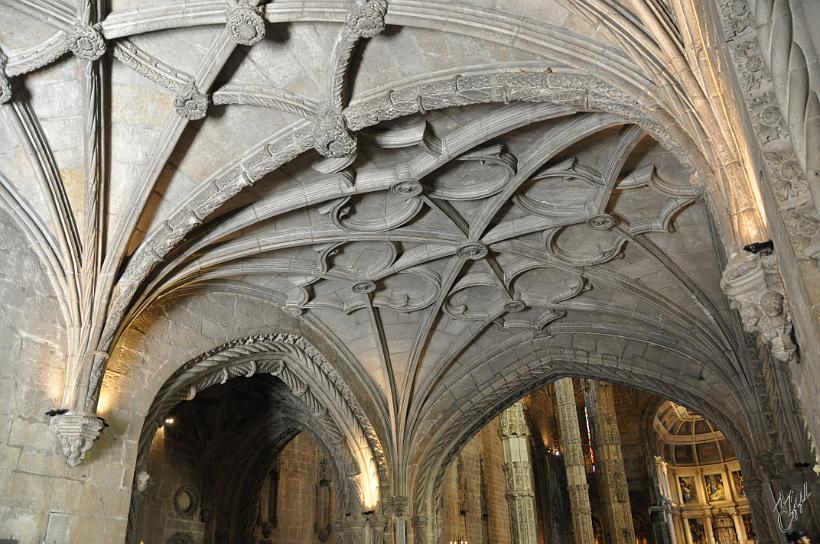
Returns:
<point x="512" y="422"/>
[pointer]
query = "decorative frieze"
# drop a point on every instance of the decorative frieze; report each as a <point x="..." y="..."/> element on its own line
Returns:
<point x="754" y="287"/>
<point x="780" y="139"/>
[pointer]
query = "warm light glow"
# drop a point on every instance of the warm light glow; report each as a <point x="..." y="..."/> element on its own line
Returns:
<point x="749" y="227"/>
<point x="106" y="403"/>
<point x="369" y="480"/>
<point x="170" y="420"/>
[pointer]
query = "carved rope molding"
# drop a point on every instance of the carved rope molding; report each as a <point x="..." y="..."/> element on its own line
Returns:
<point x="298" y="364"/>
<point x="780" y="35"/>
<point x="331" y="137"/>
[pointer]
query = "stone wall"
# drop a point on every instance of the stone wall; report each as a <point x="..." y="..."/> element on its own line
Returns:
<point x="296" y="499"/>
<point x="40" y="498"/>
<point x="173" y="501"/>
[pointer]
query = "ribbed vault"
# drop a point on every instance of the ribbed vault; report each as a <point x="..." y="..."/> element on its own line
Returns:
<point x="467" y="203"/>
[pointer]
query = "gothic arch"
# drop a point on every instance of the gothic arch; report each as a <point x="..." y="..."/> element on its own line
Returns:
<point x="553" y="358"/>
<point x="325" y="400"/>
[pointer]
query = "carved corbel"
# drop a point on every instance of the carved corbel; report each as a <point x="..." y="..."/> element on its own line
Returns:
<point x="86" y="42"/>
<point x="755" y="289"/>
<point x="245" y="23"/>
<point x="76" y="433"/>
<point x="5" y="84"/>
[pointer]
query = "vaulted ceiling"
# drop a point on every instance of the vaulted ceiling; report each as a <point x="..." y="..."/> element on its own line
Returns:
<point x="468" y="181"/>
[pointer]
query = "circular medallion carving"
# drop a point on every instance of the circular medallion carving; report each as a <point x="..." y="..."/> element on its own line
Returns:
<point x="472" y="251"/>
<point x="367" y="20"/>
<point x="514" y="306"/>
<point x="185" y="501"/>
<point x="191" y="104"/>
<point x="407" y="188"/>
<point x="770" y="116"/>
<point x="364" y="287"/>
<point x="246" y="25"/>
<point x="602" y="221"/>
<point x="86" y="42"/>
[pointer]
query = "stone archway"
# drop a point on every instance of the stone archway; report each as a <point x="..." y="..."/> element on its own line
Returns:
<point x="321" y="403"/>
<point x="551" y="360"/>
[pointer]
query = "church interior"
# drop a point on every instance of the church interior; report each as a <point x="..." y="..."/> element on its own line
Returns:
<point x="409" y="272"/>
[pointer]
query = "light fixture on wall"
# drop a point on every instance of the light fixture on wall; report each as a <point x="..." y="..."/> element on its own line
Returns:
<point x="765" y="248"/>
<point x="169" y="420"/>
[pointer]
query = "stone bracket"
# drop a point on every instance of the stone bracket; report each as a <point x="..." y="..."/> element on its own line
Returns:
<point x="76" y="433"/>
<point x="755" y="289"/>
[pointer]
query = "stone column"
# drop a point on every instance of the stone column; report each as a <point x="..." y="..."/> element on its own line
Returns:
<point x="420" y="529"/>
<point x="574" y="462"/>
<point x="515" y="445"/>
<point x="607" y="442"/>
<point x="400" y="519"/>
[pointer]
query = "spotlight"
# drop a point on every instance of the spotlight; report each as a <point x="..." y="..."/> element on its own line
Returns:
<point x="169" y="420"/>
<point x="765" y="248"/>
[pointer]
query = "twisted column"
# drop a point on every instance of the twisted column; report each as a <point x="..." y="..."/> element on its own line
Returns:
<point x="574" y="462"/>
<point x="518" y="470"/>
<point x="601" y="407"/>
<point x="780" y="35"/>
